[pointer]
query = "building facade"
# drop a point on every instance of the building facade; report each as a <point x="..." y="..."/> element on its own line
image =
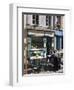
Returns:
<point x="42" y="34"/>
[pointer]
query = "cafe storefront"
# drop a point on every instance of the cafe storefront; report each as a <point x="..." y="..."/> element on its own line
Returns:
<point x="39" y="44"/>
<point x="43" y="40"/>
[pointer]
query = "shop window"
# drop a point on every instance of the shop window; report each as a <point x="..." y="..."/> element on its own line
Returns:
<point x="37" y="42"/>
<point x="59" y="42"/>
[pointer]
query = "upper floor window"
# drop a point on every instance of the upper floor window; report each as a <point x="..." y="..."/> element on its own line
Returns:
<point x="35" y="19"/>
<point x="48" y="20"/>
<point x="59" y="19"/>
<point x="58" y="23"/>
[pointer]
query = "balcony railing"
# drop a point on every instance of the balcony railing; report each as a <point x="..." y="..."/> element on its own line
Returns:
<point x="36" y="27"/>
<point x="32" y="27"/>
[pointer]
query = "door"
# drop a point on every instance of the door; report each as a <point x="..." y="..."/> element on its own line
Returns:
<point x="49" y="44"/>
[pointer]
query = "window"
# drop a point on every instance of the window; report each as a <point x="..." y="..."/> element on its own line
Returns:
<point x="59" y="42"/>
<point x="48" y="20"/>
<point x="58" y="22"/>
<point x="59" y="19"/>
<point x="35" y="18"/>
<point x="37" y="42"/>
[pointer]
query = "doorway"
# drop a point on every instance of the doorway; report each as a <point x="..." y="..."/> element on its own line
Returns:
<point x="49" y="44"/>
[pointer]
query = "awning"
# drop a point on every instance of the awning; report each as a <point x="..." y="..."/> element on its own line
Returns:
<point x="41" y="33"/>
<point x="50" y="34"/>
<point x="59" y="33"/>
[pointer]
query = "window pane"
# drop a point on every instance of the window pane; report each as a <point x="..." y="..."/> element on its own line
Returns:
<point x="57" y="42"/>
<point x="37" y="17"/>
<point x="33" y="21"/>
<point x="49" y="20"/>
<point x="37" y="42"/>
<point x="37" y="22"/>
<point x="59" y="19"/>
<point x="33" y="16"/>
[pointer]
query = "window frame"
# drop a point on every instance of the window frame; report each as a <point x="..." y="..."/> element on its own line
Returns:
<point x="15" y="45"/>
<point x="35" y="19"/>
<point x="49" y="20"/>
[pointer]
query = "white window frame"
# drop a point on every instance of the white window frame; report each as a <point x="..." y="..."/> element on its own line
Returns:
<point x="16" y="77"/>
<point x="35" y="20"/>
<point x="48" y="20"/>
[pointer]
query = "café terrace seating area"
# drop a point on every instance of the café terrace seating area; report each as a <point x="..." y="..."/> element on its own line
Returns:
<point x="38" y="63"/>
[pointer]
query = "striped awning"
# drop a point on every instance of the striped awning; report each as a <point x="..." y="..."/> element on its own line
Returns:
<point x="59" y="33"/>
